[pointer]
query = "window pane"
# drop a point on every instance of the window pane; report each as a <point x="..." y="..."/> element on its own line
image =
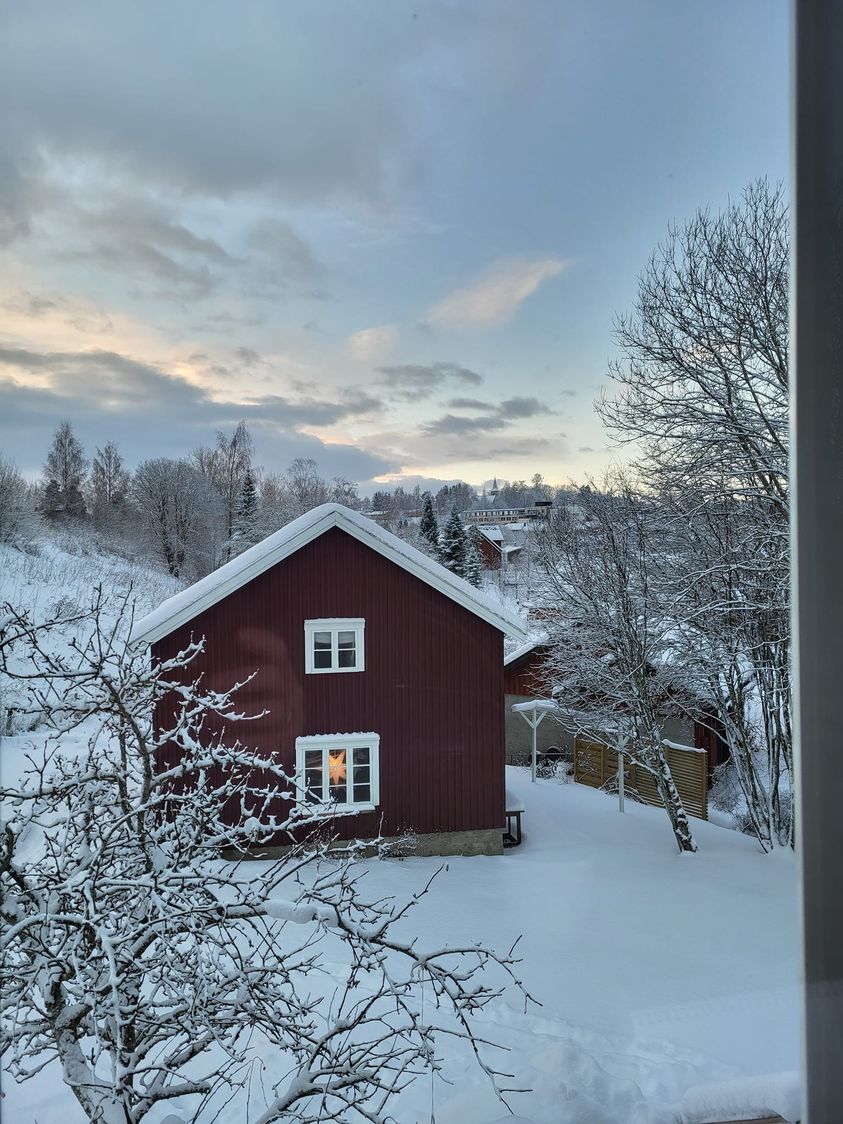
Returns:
<point x="321" y="649"/>
<point x="337" y="775"/>
<point x="313" y="775"/>
<point x="361" y="756"/>
<point x="347" y="645"/>
<point x="362" y="794"/>
<point x="361" y="774"/>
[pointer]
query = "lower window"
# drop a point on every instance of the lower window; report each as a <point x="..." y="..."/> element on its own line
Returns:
<point x="338" y="771"/>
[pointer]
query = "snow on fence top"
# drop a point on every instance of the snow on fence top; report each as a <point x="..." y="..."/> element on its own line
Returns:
<point x="686" y="748"/>
<point x="190" y="602"/>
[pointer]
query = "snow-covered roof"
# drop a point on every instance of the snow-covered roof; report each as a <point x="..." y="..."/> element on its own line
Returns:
<point x="190" y="602"/>
<point x="493" y="533"/>
<point x="524" y="650"/>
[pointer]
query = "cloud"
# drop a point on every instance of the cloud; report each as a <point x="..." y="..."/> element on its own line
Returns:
<point x="520" y="407"/>
<point x="372" y="343"/>
<point x="82" y="316"/>
<point x="140" y="239"/>
<point x="469" y="404"/>
<point x="292" y="258"/>
<point x="495" y="417"/>
<point x="462" y="426"/>
<point x="110" y="395"/>
<point x="585" y="449"/>
<point x="496" y="296"/>
<point x="408" y="382"/>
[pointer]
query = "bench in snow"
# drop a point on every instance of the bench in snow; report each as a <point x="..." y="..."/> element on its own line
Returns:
<point x="514" y="808"/>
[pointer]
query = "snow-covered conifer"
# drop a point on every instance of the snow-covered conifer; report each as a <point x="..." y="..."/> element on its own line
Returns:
<point x="428" y="527"/>
<point x="453" y="544"/>
<point x="473" y="559"/>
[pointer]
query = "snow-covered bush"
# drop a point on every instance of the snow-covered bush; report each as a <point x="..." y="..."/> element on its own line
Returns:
<point x="145" y="959"/>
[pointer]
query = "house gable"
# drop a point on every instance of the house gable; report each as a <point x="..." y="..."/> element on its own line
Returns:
<point x="202" y="595"/>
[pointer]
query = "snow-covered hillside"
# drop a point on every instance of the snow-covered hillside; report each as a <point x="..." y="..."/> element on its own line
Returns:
<point x="57" y="577"/>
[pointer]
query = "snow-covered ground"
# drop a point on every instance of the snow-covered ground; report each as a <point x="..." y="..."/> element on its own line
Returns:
<point x="668" y="983"/>
<point x="657" y="973"/>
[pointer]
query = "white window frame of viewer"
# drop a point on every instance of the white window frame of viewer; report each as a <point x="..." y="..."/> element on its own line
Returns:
<point x="324" y="743"/>
<point x="334" y="626"/>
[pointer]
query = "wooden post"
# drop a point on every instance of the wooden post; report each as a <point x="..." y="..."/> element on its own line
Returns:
<point x="620" y="781"/>
<point x="534" y="726"/>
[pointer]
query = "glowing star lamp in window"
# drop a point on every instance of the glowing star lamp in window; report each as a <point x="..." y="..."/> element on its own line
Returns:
<point x="339" y="769"/>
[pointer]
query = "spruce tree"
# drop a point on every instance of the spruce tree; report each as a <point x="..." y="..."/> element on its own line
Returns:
<point x="473" y="560"/>
<point x="428" y="527"/>
<point x="453" y="545"/>
<point x="246" y="532"/>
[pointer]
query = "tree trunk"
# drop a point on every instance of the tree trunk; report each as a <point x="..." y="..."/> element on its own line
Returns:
<point x="672" y="802"/>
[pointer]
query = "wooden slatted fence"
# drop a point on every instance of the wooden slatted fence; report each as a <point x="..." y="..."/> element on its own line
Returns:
<point x="596" y="764"/>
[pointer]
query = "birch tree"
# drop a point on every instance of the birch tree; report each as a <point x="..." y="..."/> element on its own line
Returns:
<point x="179" y="511"/>
<point x="701" y="387"/>
<point x="64" y="475"/>
<point x="610" y="643"/>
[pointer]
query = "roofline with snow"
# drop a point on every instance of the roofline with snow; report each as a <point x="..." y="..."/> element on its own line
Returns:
<point x="202" y="595"/>
<point x="524" y="650"/>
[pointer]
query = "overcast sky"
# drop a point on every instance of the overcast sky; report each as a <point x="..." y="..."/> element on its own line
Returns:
<point x="390" y="236"/>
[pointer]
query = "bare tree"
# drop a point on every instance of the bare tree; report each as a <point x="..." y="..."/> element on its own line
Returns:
<point x="306" y="486"/>
<point x="149" y="969"/>
<point x="18" y="519"/>
<point x="345" y="491"/>
<point x="109" y="486"/>
<point x="703" y="378"/>
<point x="702" y="388"/>
<point x="610" y="639"/>
<point x="176" y="505"/>
<point x="225" y="467"/>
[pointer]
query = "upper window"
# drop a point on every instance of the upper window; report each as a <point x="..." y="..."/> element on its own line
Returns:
<point x="339" y="771"/>
<point x="333" y="644"/>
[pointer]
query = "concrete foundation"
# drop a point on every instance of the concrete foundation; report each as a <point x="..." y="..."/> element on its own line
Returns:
<point x="483" y="841"/>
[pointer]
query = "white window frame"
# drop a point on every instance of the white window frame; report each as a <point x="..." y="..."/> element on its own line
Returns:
<point x="334" y="625"/>
<point x="349" y="742"/>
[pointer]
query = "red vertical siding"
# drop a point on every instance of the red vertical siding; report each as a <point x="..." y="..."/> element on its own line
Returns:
<point x="431" y="689"/>
<point x="525" y="676"/>
<point x="489" y="552"/>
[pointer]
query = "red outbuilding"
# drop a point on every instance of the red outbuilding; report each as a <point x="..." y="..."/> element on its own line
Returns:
<point x="381" y="673"/>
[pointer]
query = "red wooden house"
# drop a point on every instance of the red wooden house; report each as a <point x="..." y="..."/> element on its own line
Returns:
<point x="381" y="671"/>
<point x="489" y="542"/>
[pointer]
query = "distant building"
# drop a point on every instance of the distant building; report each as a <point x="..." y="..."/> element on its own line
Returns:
<point x="481" y="515"/>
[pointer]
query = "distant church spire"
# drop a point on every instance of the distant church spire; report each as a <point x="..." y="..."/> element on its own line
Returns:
<point x="493" y="491"/>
